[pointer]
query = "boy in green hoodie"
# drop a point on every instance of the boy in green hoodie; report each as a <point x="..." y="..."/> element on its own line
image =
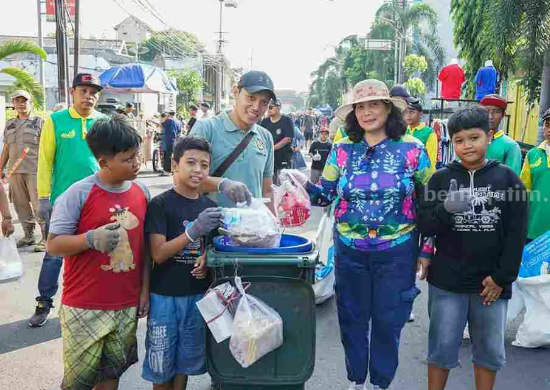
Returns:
<point x="536" y="177"/>
<point x="477" y="211"/>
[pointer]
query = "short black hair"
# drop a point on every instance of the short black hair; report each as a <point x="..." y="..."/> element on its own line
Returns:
<point x="129" y="105"/>
<point x="395" y="126"/>
<point x="190" y="142"/>
<point x="163" y="115"/>
<point x="108" y="137"/>
<point x="193" y="107"/>
<point x="204" y="104"/>
<point x="172" y="112"/>
<point x="468" y="118"/>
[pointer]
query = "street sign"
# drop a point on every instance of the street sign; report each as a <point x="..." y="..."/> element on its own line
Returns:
<point x="378" y="44"/>
<point x="50" y="9"/>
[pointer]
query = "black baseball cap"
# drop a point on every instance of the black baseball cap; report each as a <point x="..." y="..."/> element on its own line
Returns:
<point x="257" y="81"/>
<point x="275" y="102"/>
<point x="205" y="105"/>
<point x="129" y="105"/>
<point x="546" y="115"/>
<point x="399" y="91"/>
<point x="414" y="104"/>
<point x="87" y="79"/>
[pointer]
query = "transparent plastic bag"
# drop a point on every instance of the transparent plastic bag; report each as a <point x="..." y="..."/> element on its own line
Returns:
<point x="257" y="329"/>
<point x="252" y="226"/>
<point x="292" y="203"/>
<point x="11" y="266"/>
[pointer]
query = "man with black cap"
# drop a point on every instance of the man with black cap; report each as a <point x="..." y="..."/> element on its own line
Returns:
<point x="419" y="130"/>
<point x="502" y="148"/>
<point x="281" y="128"/>
<point x="242" y="151"/>
<point x="20" y="153"/>
<point x="64" y="159"/>
<point x="205" y="107"/>
<point x="400" y="91"/>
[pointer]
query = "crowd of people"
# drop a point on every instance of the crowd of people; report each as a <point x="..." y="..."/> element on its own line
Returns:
<point x="127" y="256"/>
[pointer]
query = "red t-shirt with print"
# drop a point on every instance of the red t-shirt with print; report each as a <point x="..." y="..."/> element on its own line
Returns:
<point x="101" y="281"/>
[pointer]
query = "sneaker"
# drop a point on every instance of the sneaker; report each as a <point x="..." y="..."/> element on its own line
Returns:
<point x="466" y="334"/>
<point x="355" y="386"/>
<point x="41" y="314"/>
<point x="411" y="317"/>
<point x="40" y="247"/>
<point x="28" y="240"/>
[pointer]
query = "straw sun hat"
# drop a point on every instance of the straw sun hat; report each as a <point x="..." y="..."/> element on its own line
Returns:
<point x="367" y="91"/>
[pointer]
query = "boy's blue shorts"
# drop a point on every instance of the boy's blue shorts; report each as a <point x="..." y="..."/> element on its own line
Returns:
<point x="175" y="338"/>
<point x="449" y="313"/>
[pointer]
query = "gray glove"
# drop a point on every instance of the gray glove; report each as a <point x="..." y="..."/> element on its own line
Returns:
<point x="104" y="239"/>
<point x="237" y="192"/>
<point x="458" y="201"/>
<point x="44" y="209"/>
<point x="207" y="221"/>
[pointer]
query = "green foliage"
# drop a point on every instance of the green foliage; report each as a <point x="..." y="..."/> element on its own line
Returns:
<point x="189" y="83"/>
<point x="416" y="86"/>
<point x="415" y="65"/>
<point x="173" y="43"/>
<point x="23" y="80"/>
<point x="514" y="34"/>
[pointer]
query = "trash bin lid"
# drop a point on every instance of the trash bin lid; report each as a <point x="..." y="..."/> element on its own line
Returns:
<point x="290" y="364"/>
<point x="290" y="243"/>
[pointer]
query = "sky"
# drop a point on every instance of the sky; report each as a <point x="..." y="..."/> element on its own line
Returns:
<point x="288" y="39"/>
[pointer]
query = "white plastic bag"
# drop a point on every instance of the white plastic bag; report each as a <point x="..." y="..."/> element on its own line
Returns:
<point x="291" y="202"/>
<point x="11" y="266"/>
<point x="534" y="332"/>
<point x="324" y="273"/>
<point x="214" y="309"/>
<point x="252" y="226"/>
<point x="257" y="329"/>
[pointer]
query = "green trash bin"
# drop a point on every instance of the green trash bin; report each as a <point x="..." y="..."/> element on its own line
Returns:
<point x="283" y="281"/>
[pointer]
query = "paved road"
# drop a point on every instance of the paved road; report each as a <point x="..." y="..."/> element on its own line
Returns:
<point x="30" y="359"/>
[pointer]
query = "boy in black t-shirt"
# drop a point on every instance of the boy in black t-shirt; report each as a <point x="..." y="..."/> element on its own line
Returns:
<point x="319" y="152"/>
<point x="177" y="223"/>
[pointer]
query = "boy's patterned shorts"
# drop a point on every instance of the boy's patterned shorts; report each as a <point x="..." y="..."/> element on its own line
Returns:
<point x="97" y="345"/>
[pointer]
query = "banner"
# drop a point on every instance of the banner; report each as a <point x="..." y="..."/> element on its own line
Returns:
<point x="50" y="9"/>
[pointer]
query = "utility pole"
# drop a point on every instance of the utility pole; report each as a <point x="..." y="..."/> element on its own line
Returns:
<point x="62" y="54"/>
<point x="41" y="44"/>
<point x="76" y="37"/>
<point x="219" y="73"/>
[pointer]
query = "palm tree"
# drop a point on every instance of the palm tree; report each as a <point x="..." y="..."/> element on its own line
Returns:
<point x="521" y="29"/>
<point x="416" y="29"/>
<point x="22" y="78"/>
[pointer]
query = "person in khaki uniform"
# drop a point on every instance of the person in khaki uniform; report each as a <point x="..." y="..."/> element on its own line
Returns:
<point x="21" y="133"/>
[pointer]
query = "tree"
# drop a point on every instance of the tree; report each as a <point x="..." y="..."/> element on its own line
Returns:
<point x="189" y="83"/>
<point x="174" y="43"/>
<point x="414" y="66"/>
<point x="23" y="79"/>
<point x="416" y="29"/>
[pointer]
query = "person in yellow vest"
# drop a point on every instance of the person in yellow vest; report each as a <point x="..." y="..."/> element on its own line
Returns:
<point x="419" y="130"/>
<point x="536" y="177"/>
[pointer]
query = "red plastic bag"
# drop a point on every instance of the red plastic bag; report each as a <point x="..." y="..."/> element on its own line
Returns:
<point x="293" y="204"/>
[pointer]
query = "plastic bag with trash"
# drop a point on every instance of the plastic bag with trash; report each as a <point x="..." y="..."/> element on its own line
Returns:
<point x="292" y="202"/>
<point x="251" y="226"/>
<point x="257" y="329"/>
<point x="11" y="266"/>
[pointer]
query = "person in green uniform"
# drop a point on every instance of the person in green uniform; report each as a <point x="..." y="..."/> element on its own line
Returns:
<point x="536" y="177"/>
<point x="419" y="130"/>
<point x="502" y="148"/>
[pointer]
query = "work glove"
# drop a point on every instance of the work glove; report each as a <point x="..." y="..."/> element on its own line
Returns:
<point x="289" y="174"/>
<point x="458" y="201"/>
<point x="237" y="192"/>
<point x="207" y="221"/>
<point x="44" y="209"/>
<point x="104" y="239"/>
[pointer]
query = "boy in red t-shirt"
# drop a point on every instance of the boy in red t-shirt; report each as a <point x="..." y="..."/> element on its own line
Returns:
<point x="97" y="226"/>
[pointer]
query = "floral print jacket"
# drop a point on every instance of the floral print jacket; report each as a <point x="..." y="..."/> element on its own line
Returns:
<point x="375" y="190"/>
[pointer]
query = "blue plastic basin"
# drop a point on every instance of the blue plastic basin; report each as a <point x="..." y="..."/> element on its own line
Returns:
<point x="289" y="244"/>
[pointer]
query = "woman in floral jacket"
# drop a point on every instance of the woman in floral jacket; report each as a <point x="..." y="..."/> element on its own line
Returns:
<point x="372" y="175"/>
